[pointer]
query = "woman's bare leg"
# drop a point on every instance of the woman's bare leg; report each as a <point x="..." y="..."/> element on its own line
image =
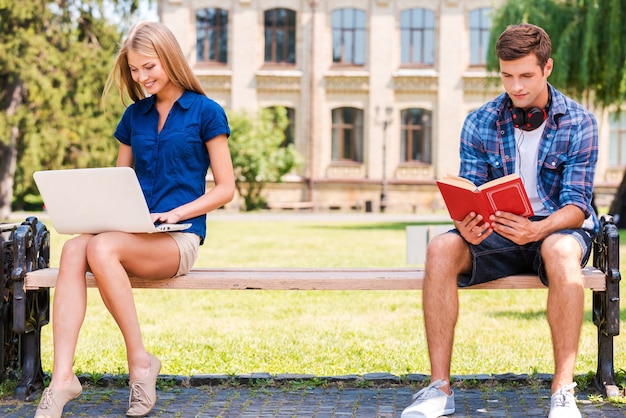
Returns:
<point x="112" y="257"/>
<point x="69" y="306"/>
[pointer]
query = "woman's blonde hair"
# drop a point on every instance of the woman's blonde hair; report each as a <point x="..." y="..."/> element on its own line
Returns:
<point x="152" y="39"/>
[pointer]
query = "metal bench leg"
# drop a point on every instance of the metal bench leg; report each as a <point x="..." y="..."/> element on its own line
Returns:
<point x="605" y="376"/>
<point x="606" y="305"/>
<point x="30" y="309"/>
<point x="31" y="382"/>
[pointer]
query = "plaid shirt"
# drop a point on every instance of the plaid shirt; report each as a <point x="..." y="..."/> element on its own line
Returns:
<point x="567" y="157"/>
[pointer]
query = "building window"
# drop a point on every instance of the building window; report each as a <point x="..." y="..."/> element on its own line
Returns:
<point x="280" y="36"/>
<point x="617" y="140"/>
<point x="417" y="37"/>
<point x="347" y="135"/>
<point x="212" y="35"/>
<point x="479" y="25"/>
<point x="348" y="36"/>
<point x="416" y="135"/>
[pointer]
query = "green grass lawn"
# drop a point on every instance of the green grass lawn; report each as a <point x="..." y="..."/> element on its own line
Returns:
<point x="319" y="332"/>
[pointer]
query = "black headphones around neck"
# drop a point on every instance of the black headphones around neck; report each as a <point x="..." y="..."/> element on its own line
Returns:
<point x="529" y="119"/>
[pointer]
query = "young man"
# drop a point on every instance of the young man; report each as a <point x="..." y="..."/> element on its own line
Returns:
<point x="551" y="142"/>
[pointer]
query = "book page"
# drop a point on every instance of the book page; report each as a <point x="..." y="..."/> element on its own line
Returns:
<point x="458" y="182"/>
<point x="498" y="181"/>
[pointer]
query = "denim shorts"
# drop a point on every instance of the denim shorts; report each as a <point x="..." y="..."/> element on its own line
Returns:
<point x="498" y="257"/>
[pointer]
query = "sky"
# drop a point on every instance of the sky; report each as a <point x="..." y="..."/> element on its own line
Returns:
<point x="147" y="11"/>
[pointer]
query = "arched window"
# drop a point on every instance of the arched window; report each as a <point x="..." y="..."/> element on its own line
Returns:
<point x="212" y="35"/>
<point x="416" y="135"/>
<point x="417" y="37"/>
<point x="347" y="134"/>
<point x="280" y="36"/>
<point x="348" y="36"/>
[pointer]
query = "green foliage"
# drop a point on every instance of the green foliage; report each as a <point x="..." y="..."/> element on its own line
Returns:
<point x="587" y="44"/>
<point x="258" y="153"/>
<point x="54" y="60"/>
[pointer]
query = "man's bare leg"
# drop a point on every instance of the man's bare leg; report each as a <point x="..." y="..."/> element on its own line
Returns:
<point x="561" y="254"/>
<point x="447" y="256"/>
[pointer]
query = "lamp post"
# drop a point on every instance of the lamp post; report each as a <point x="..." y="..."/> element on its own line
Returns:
<point x="385" y="122"/>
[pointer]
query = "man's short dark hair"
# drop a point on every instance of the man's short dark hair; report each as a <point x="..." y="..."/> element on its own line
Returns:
<point x="518" y="41"/>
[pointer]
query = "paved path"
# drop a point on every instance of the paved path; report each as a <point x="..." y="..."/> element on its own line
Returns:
<point x="333" y="401"/>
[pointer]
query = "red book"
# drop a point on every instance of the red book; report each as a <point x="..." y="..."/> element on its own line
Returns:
<point x="506" y="194"/>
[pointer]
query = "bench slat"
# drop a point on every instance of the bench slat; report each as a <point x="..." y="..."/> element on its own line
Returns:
<point x="307" y="279"/>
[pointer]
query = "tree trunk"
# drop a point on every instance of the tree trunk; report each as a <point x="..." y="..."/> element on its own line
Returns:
<point x="8" y="159"/>
<point x="8" y="152"/>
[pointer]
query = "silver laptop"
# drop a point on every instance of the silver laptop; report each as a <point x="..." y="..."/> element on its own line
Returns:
<point x="94" y="200"/>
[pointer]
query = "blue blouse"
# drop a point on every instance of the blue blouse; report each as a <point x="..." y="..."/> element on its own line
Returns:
<point x="172" y="165"/>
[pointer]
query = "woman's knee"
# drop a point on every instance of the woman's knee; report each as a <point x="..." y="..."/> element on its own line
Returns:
<point x="103" y="248"/>
<point x="75" y="249"/>
<point x="73" y="264"/>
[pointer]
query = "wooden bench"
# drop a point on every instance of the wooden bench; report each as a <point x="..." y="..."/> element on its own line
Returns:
<point x="34" y="280"/>
<point x="308" y="279"/>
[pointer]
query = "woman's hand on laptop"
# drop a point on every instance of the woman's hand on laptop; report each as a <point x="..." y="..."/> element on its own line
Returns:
<point x="170" y="217"/>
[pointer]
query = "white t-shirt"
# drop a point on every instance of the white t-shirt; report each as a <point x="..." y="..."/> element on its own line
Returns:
<point x="527" y="146"/>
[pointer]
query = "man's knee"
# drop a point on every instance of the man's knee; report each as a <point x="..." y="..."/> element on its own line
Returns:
<point x="446" y="250"/>
<point x="561" y="247"/>
<point x="561" y="255"/>
<point x="447" y="240"/>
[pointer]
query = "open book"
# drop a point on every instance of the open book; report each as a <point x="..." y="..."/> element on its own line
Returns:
<point x="506" y="194"/>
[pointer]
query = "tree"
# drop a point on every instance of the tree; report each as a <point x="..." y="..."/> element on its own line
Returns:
<point x="54" y="60"/>
<point x="587" y="47"/>
<point x="258" y="153"/>
<point x="588" y="51"/>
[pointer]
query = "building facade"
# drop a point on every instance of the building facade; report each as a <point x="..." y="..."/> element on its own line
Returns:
<point x="376" y="90"/>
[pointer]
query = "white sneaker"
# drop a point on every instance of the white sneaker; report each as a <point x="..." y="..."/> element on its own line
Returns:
<point x="430" y="402"/>
<point x="563" y="403"/>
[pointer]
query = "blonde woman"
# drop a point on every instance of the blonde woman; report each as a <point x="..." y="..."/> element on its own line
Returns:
<point x="170" y="135"/>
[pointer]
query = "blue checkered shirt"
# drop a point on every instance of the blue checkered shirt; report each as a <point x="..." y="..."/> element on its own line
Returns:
<point x="567" y="157"/>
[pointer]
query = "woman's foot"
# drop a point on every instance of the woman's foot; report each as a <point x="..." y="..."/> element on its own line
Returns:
<point x="53" y="400"/>
<point x="143" y="392"/>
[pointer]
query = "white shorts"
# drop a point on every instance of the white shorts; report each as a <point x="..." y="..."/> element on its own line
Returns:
<point x="188" y="246"/>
